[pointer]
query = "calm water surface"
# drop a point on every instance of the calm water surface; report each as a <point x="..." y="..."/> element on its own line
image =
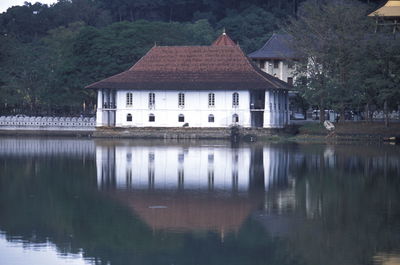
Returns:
<point x="71" y="201"/>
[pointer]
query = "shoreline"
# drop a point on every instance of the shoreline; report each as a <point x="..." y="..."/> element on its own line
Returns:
<point x="312" y="133"/>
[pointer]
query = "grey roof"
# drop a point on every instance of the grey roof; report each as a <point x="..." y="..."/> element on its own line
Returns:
<point x="277" y="47"/>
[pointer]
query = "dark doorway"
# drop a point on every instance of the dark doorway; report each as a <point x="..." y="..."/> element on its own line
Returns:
<point x="257" y="119"/>
<point x="257" y="99"/>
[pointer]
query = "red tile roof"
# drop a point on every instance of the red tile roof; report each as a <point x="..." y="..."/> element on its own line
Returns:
<point x="223" y="40"/>
<point x="213" y="67"/>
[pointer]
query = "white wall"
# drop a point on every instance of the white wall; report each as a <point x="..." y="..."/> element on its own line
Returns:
<point x="196" y="109"/>
<point x="282" y="72"/>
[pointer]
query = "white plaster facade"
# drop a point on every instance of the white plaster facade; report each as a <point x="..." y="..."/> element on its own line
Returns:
<point x="284" y="71"/>
<point x="115" y="108"/>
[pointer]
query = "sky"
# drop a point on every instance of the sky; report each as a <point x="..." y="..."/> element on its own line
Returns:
<point x="4" y="4"/>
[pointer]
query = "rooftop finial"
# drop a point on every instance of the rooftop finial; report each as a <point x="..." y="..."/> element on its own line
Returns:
<point x="223" y="31"/>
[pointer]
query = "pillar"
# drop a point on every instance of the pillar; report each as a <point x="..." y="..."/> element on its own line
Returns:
<point x="99" y="112"/>
<point x="267" y="110"/>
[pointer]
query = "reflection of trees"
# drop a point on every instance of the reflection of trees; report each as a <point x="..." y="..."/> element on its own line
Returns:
<point x="347" y="204"/>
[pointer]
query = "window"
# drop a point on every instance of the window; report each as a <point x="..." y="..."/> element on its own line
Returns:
<point x="211" y="100"/>
<point x="129" y="117"/>
<point x="235" y="100"/>
<point x="181" y="118"/>
<point x="235" y="118"/>
<point x="129" y="99"/>
<point x="290" y="81"/>
<point x="276" y="64"/>
<point x="152" y="100"/>
<point x="181" y="100"/>
<point x="152" y="118"/>
<point x="210" y="118"/>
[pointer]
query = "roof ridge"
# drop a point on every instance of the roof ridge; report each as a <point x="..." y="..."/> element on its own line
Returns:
<point x="95" y="83"/>
<point x="224" y="40"/>
<point x="131" y="68"/>
<point x="265" y="44"/>
<point x="268" y="41"/>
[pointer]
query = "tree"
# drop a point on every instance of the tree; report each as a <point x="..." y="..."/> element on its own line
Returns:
<point x="381" y="73"/>
<point x="250" y="28"/>
<point x="331" y="36"/>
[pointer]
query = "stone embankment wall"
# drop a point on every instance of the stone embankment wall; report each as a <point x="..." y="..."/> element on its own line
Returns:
<point x="18" y="123"/>
<point x="77" y="126"/>
<point x="234" y="133"/>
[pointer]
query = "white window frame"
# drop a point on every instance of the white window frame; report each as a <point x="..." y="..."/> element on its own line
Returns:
<point x="235" y="100"/>
<point x="235" y="118"/>
<point x="181" y="116"/>
<point x="129" y="99"/>
<point x="151" y="115"/>
<point x="211" y="100"/>
<point x="211" y="118"/>
<point x="181" y="100"/>
<point x="152" y="100"/>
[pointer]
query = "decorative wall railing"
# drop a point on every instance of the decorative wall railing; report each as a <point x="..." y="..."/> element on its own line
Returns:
<point x="395" y="115"/>
<point x="47" y="123"/>
<point x="108" y="105"/>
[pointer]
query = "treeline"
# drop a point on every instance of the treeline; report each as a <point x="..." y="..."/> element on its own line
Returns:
<point x="351" y="64"/>
<point x="49" y="53"/>
<point x="48" y="76"/>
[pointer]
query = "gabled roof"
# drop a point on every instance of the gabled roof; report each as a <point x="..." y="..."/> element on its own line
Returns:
<point x="221" y="66"/>
<point x="390" y="9"/>
<point x="224" y="40"/>
<point x="277" y="47"/>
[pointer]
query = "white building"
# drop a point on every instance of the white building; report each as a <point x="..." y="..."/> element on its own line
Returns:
<point x="277" y="57"/>
<point x="196" y="86"/>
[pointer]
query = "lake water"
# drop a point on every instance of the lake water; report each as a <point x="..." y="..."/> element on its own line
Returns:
<point x="118" y="202"/>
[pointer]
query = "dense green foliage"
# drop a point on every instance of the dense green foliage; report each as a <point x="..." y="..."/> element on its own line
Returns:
<point x="348" y="66"/>
<point x="50" y="53"/>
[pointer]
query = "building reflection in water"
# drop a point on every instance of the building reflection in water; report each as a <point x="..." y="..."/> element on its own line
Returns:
<point x="173" y="168"/>
<point x="190" y="188"/>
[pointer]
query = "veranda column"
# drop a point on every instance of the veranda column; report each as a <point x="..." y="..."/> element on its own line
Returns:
<point x="273" y="111"/>
<point x="287" y="108"/>
<point x="282" y="108"/>
<point x="281" y="70"/>
<point x="267" y="110"/>
<point x="99" y="112"/>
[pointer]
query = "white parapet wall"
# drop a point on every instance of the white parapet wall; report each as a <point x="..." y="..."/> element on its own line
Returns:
<point x="47" y="123"/>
